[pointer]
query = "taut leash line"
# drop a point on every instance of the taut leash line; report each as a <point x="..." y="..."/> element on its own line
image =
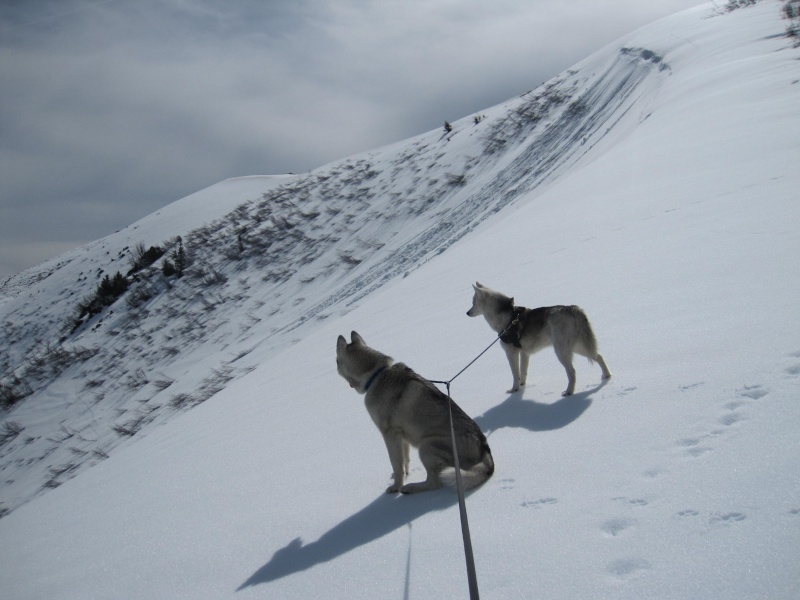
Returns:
<point x="472" y="576"/>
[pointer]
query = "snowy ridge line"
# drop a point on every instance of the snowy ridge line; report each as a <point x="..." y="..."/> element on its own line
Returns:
<point x="552" y="144"/>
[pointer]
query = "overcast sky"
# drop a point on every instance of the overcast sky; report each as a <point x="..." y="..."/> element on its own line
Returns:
<point x="112" y="109"/>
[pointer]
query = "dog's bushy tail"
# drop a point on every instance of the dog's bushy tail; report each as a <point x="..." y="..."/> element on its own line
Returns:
<point x="585" y="333"/>
<point x="476" y="475"/>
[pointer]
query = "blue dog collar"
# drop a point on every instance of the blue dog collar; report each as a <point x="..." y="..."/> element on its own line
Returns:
<point x="373" y="378"/>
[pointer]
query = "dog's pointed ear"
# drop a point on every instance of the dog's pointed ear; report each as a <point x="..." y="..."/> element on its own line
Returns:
<point x="512" y="302"/>
<point x="357" y="339"/>
<point x="341" y="344"/>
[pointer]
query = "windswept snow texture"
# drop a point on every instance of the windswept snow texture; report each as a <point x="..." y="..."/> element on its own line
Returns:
<point x="655" y="184"/>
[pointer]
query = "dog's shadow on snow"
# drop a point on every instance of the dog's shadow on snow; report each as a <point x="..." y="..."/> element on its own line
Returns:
<point x="387" y="512"/>
<point x="536" y="416"/>
<point x="382" y="516"/>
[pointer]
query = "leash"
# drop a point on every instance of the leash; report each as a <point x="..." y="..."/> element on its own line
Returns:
<point x="472" y="577"/>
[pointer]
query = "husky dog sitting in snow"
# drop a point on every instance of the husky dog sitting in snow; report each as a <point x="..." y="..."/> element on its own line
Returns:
<point x="409" y="409"/>
<point x="524" y="331"/>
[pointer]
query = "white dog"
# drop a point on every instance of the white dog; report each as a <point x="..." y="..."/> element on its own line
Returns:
<point x="524" y="331"/>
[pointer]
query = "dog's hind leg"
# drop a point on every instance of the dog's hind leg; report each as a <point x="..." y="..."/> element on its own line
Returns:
<point x="599" y="360"/>
<point x="597" y="357"/>
<point x="513" y="356"/>
<point x="564" y="356"/>
<point x="434" y="458"/>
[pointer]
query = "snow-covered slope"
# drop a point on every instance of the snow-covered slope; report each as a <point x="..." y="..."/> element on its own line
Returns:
<point x="654" y="183"/>
<point x="270" y="258"/>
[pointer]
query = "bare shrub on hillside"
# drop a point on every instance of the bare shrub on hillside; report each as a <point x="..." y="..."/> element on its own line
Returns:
<point x="9" y="431"/>
<point x="734" y="4"/>
<point x="13" y="390"/>
<point x="791" y="12"/>
<point x="60" y="474"/>
<point x="144" y="257"/>
<point x="162" y="384"/>
<point x="50" y="360"/>
<point x="132" y="427"/>
<point x="137" y="379"/>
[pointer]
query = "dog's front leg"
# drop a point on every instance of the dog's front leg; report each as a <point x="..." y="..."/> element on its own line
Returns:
<point x="524" y="359"/>
<point x="398" y="456"/>
<point x="513" y="356"/>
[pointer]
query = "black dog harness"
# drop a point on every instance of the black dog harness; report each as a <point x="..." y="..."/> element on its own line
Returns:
<point x="512" y="334"/>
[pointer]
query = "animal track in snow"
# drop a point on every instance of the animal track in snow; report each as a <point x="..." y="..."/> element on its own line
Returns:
<point x="792" y="371"/>
<point x="727" y="518"/>
<point x="539" y="503"/>
<point x="692" y="445"/>
<point x="735" y="404"/>
<point x="627" y="391"/>
<point x="698" y="451"/>
<point x="625" y="568"/>
<point x="614" y="527"/>
<point x="689" y="442"/>
<point x="506" y="484"/>
<point x="731" y="419"/>
<point x="654" y="472"/>
<point x="754" y="392"/>
<point x="691" y="386"/>
<point x="689" y="512"/>
<point x="631" y="501"/>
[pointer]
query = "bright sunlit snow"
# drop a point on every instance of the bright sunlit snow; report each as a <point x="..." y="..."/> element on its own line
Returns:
<point x="193" y="439"/>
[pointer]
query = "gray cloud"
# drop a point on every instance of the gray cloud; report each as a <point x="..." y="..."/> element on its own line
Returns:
<point x="112" y="109"/>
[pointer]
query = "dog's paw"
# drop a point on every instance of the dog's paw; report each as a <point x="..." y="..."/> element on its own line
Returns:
<point x="423" y="486"/>
<point x="566" y="393"/>
<point x="512" y="390"/>
<point x="393" y="489"/>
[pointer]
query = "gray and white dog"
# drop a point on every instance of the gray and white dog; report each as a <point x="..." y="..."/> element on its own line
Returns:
<point x="524" y="331"/>
<point x="409" y="409"/>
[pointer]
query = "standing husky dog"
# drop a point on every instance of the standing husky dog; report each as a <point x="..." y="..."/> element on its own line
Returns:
<point x="524" y="331"/>
<point x="409" y="409"/>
